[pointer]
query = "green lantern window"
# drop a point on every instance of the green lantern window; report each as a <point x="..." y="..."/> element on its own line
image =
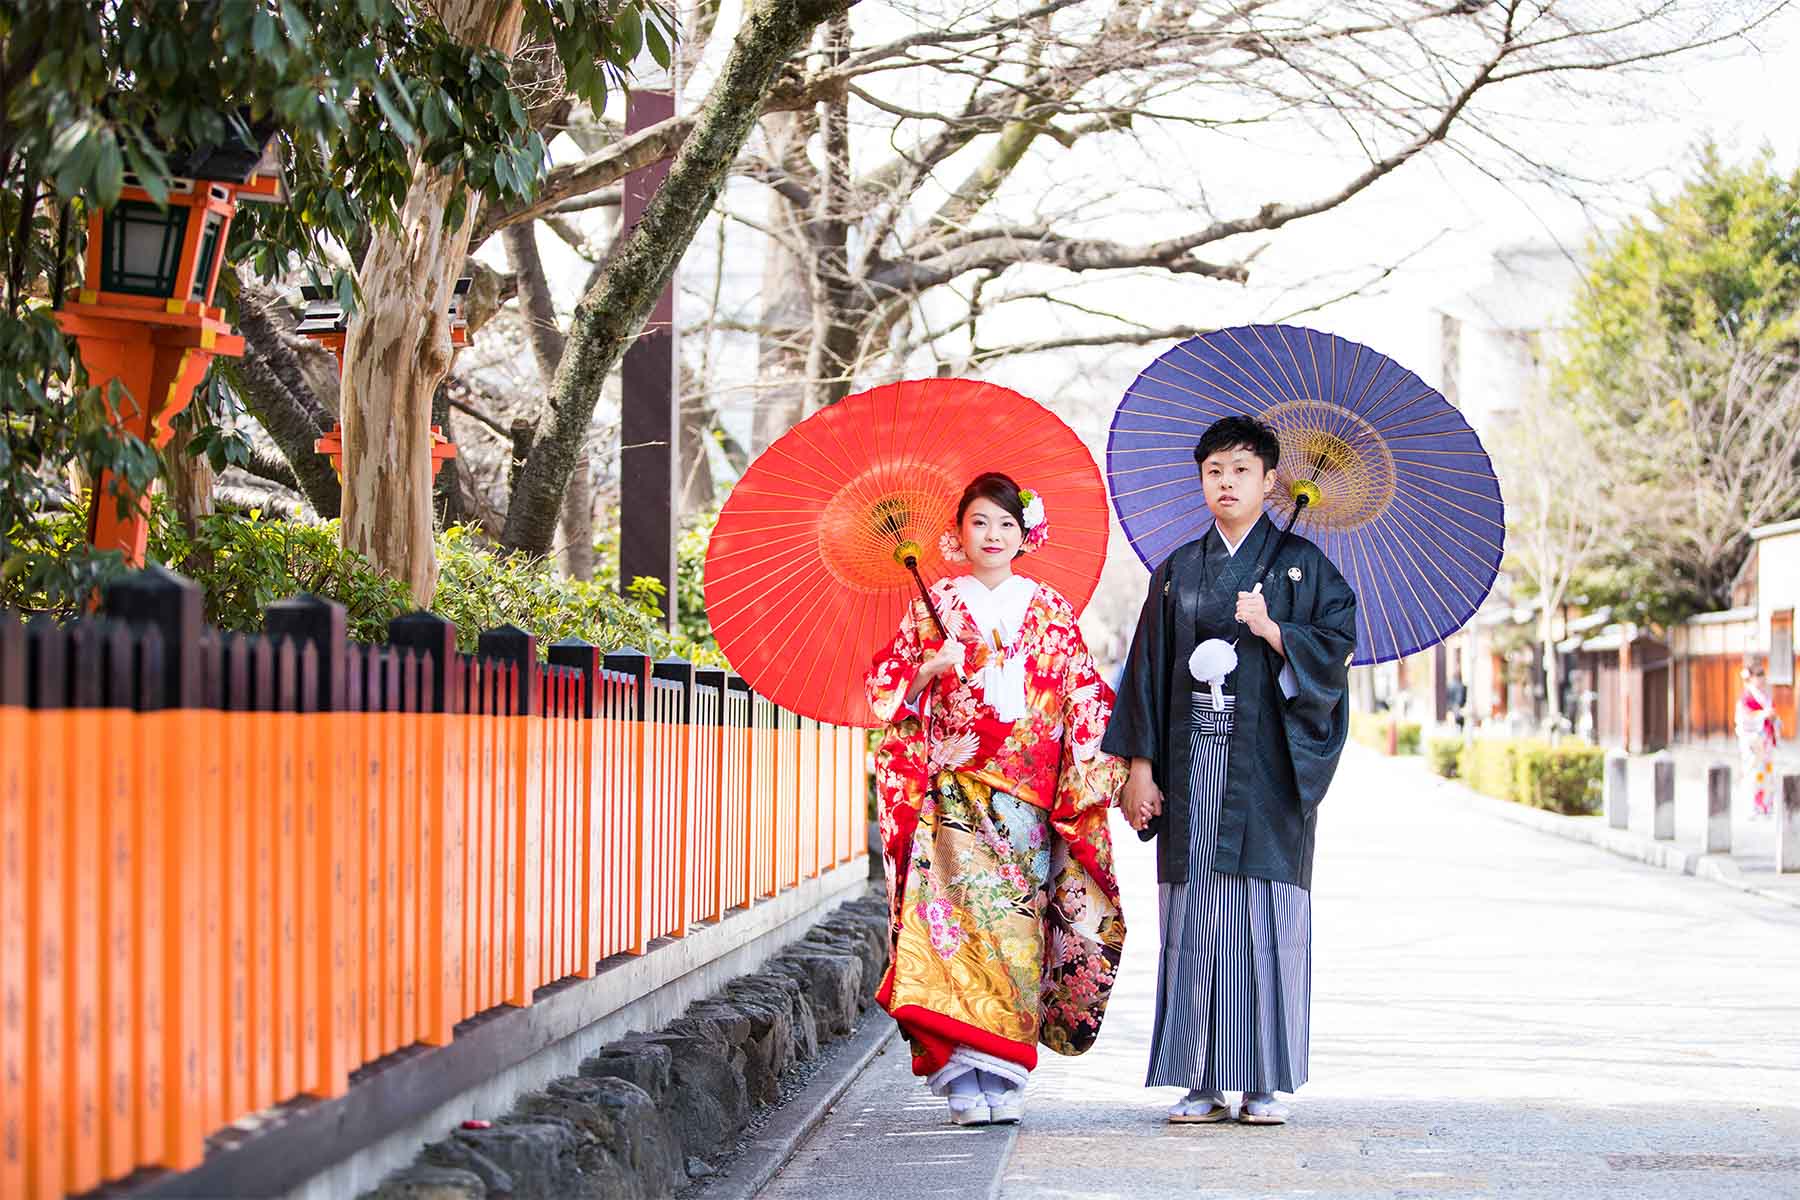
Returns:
<point x="209" y="250"/>
<point x="142" y="248"/>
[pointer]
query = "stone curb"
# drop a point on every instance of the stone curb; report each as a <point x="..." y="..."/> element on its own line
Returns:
<point x="1678" y="860"/>
<point x="648" y="1113"/>
<point x="796" y="1119"/>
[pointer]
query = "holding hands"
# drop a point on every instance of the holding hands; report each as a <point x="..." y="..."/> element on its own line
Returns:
<point x="1142" y="800"/>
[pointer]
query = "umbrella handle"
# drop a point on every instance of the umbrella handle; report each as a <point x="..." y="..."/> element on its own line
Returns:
<point x="1301" y="499"/>
<point x="911" y="563"/>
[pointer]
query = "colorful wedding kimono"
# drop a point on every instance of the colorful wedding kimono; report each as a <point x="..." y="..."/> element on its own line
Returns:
<point x="1756" y="748"/>
<point x="1005" y="912"/>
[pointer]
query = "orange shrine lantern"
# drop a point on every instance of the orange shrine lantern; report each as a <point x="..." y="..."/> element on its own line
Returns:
<point x="144" y="317"/>
<point x="323" y="321"/>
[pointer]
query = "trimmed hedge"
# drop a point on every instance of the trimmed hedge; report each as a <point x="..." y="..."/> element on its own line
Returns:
<point x="1371" y="729"/>
<point x="1563" y="778"/>
<point x="1444" y="754"/>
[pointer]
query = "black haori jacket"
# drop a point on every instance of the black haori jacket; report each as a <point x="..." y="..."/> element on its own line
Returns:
<point x="1283" y="752"/>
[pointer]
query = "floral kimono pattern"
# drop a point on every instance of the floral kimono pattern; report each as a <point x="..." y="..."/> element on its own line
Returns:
<point x="1004" y="907"/>
<point x="1756" y="749"/>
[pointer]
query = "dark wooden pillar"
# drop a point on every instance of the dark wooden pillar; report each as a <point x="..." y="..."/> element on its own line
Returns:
<point x="649" y="420"/>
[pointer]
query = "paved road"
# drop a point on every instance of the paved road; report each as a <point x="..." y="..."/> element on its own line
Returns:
<point x="1497" y="1013"/>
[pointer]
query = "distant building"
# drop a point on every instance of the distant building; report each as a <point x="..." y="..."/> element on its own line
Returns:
<point x="1492" y="359"/>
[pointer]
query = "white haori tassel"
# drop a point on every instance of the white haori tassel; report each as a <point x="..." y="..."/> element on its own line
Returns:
<point x="1003" y="685"/>
<point x="1211" y="661"/>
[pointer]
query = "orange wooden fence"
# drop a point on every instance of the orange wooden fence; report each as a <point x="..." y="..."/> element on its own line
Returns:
<point x="233" y="870"/>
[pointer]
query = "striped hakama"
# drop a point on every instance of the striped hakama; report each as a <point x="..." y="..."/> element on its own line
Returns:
<point x="1234" y="984"/>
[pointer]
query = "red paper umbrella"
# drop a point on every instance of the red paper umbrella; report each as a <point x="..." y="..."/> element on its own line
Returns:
<point x="805" y="574"/>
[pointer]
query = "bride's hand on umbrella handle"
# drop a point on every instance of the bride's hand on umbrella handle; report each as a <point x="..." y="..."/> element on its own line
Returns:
<point x="947" y="659"/>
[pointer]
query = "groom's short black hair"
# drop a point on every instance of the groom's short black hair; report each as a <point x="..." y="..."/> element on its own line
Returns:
<point x="1228" y="433"/>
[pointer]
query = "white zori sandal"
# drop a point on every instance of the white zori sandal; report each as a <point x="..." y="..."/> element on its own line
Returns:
<point x="1262" y="1110"/>
<point x="980" y="1088"/>
<point x="1198" y="1108"/>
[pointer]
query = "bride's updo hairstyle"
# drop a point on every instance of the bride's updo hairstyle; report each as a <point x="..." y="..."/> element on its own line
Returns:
<point x="995" y="487"/>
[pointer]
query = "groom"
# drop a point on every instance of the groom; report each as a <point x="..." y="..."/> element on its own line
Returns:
<point x="1232" y="713"/>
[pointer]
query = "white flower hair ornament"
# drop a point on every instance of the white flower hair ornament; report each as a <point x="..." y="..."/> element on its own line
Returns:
<point x="1037" y="522"/>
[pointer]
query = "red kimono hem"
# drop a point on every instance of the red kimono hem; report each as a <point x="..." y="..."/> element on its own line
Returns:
<point x="938" y="1036"/>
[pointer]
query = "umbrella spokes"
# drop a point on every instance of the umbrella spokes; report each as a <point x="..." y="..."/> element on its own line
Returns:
<point x="1338" y="461"/>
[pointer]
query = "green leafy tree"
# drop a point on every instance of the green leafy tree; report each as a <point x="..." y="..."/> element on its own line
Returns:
<point x="1680" y="367"/>
<point x="365" y="96"/>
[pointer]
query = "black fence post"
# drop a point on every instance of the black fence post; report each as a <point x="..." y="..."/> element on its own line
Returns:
<point x="324" y="625"/>
<point x="510" y="644"/>
<point x="636" y="664"/>
<point x="584" y="658"/>
<point x="12" y="662"/>
<point x="678" y="671"/>
<point x="158" y="598"/>
<point x="433" y="639"/>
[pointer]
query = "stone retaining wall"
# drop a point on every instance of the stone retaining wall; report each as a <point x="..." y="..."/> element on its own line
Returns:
<point x="652" y="1109"/>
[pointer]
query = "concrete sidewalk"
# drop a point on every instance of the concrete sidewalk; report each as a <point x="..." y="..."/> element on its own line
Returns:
<point x="1750" y="869"/>
<point x="1496" y="1012"/>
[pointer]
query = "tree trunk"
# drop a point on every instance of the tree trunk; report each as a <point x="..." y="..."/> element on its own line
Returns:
<point x="547" y="345"/>
<point x="578" y="520"/>
<point x="831" y="360"/>
<point x="698" y="420"/>
<point x="290" y="423"/>
<point x="612" y="313"/>
<point x="787" y="311"/>
<point x="1547" y="640"/>
<point x="189" y="483"/>
<point x="399" y="348"/>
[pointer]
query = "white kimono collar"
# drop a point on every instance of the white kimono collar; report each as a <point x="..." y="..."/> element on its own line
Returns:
<point x="999" y="614"/>
<point x="998" y="610"/>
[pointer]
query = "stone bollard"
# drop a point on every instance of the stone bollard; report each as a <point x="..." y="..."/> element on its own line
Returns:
<point x="1787" y="825"/>
<point x="1717" y="837"/>
<point x="1663" y="769"/>
<point x="1618" y="784"/>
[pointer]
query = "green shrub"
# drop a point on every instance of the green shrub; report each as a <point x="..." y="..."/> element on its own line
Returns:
<point x="1444" y="754"/>
<point x="1489" y="766"/>
<point x="243" y="564"/>
<point x="479" y="589"/>
<point x="1564" y="779"/>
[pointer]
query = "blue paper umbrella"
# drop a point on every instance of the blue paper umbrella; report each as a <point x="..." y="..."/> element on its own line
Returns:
<point x="1385" y="476"/>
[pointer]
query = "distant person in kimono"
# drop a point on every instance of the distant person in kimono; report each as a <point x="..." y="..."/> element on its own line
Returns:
<point x="1757" y="729"/>
<point x="1006" y="924"/>
<point x="1232" y="713"/>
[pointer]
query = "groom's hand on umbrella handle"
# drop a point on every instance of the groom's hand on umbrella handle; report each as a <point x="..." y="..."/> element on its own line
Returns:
<point x="1253" y="610"/>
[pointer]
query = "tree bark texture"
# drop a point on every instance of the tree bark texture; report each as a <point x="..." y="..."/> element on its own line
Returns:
<point x="831" y="359"/>
<point x="547" y="345"/>
<point x="189" y="480"/>
<point x="787" y="313"/>
<point x="398" y="349"/>
<point x="274" y="388"/>
<point x="613" y="312"/>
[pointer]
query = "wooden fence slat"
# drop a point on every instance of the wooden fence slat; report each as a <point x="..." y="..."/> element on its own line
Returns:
<point x="284" y="950"/>
<point x="118" y="849"/>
